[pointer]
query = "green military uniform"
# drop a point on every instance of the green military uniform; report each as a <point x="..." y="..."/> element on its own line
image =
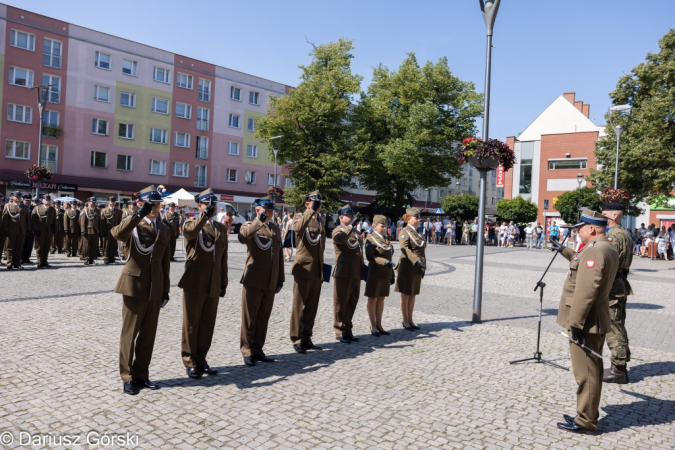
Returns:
<point x="122" y="247"/>
<point x="71" y="229"/>
<point x="584" y="305"/>
<point x="307" y="271"/>
<point x="412" y="263"/>
<point x="15" y="224"/>
<point x="263" y="276"/>
<point x="144" y="285"/>
<point x="172" y="220"/>
<point x="378" y="251"/>
<point x="90" y="223"/>
<point x="44" y="226"/>
<point x="57" y="237"/>
<point x="204" y="281"/>
<point x="110" y="218"/>
<point x="348" y="273"/>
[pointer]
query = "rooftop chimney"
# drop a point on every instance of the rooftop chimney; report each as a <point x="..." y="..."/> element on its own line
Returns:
<point x="586" y="110"/>
<point x="569" y="96"/>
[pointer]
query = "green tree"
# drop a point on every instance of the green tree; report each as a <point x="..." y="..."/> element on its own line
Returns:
<point x="408" y="126"/>
<point x="462" y="207"/>
<point x="647" y="154"/>
<point x="314" y="121"/>
<point x="517" y="209"/>
<point x="568" y="203"/>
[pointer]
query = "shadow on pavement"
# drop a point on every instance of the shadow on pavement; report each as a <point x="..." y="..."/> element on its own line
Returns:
<point x="642" y="306"/>
<point x="290" y="364"/>
<point x="544" y="312"/>
<point x="655" y="369"/>
<point x="647" y="411"/>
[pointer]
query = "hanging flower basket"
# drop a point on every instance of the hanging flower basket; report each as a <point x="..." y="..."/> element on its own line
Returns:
<point x="611" y="195"/>
<point x="274" y="191"/>
<point x="486" y="155"/>
<point x="39" y="173"/>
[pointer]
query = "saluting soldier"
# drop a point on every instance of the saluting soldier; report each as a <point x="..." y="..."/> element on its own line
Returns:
<point x="29" y="204"/>
<point x="15" y="224"/>
<point x="617" y="338"/>
<point x="263" y="277"/>
<point x="584" y="312"/>
<point x="44" y="227"/>
<point x="129" y="211"/>
<point x="348" y="272"/>
<point x="144" y="285"/>
<point x="307" y="272"/>
<point x="111" y="216"/>
<point x="57" y="237"/>
<point x="71" y="228"/>
<point x="204" y="281"/>
<point x="172" y="220"/>
<point x="379" y="253"/>
<point x="90" y="228"/>
<point x="411" y="266"/>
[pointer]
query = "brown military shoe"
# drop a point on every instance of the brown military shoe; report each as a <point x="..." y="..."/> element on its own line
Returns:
<point x="616" y="374"/>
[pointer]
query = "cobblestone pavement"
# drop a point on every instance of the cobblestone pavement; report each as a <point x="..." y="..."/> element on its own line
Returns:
<point x="449" y="385"/>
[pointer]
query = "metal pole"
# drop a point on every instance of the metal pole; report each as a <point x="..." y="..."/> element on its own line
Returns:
<point x="618" y="130"/>
<point x="41" y="105"/>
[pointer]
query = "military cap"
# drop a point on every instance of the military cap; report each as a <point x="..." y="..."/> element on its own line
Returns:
<point x="347" y="210"/>
<point x="16" y="194"/>
<point x="92" y="199"/>
<point x="112" y="198"/>
<point x="379" y="219"/>
<point x="172" y="205"/>
<point x="80" y="203"/>
<point x="46" y="197"/>
<point x="412" y="212"/>
<point x="57" y="202"/>
<point x="149" y="194"/>
<point x="205" y="196"/>
<point x="27" y="197"/>
<point x="101" y="206"/>
<point x="590" y="217"/>
<point x="131" y="202"/>
<point x="312" y="196"/>
<point x="265" y="202"/>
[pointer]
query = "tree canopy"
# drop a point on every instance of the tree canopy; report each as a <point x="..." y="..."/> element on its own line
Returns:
<point x="517" y="209"/>
<point x="568" y="203"/>
<point x="462" y="207"/>
<point x="647" y="152"/>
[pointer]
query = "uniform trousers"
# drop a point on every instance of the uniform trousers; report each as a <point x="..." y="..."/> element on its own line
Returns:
<point x="57" y="241"/>
<point x="14" y="248"/>
<point x="587" y="370"/>
<point x="345" y="298"/>
<point x="109" y="248"/>
<point x="89" y="249"/>
<point x="137" y="339"/>
<point x="27" y="248"/>
<point x="173" y="245"/>
<point x="256" y="308"/>
<point x="199" y="322"/>
<point x="72" y="242"/>
<point x="617" y="338"/>
<point x="42" y="245"/>
<point x="306" y="293"/>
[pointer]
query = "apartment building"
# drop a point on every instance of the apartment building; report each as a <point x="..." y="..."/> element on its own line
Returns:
<point x="120" y="115"/>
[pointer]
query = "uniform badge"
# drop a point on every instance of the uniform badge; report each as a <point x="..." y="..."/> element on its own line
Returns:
<point x="590" y="263"/>
<point x="404" y="236"/>
<point x="609" y="239"/>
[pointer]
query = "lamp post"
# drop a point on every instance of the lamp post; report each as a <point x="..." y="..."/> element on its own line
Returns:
<point x="457" y="187"/>
<point x="276" y="151"/>
<point x="42" y="93"/>
<point x="426" y="197"/>
<point x="489" y="9"/>
<point x="580" y="179"/>
<point x="625" y="112"/>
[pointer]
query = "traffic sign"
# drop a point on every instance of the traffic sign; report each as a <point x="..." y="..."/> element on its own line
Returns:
<point x="439" y="211"/>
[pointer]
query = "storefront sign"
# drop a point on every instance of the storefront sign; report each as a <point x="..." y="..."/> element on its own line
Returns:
<point x="226" y="198"/>
<point x="500" y="176"/>
<point x="44" y="185"/>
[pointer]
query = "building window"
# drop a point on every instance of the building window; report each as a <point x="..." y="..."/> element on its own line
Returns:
<point x="21" y="77"/>
<point x="202" y="151"/>
<point x="182" y="140"/>
<point x="130" y="67"/>
<point x="231" y="175"/>
<point x="51" y="56"/>
<point x="48" y="156"/>
<point x="126" y="131"/>
<point x="54" y="90"/>
<point x="17" y="149"/>
<point x="157" y="167"/>
<point x="23" y="40"/>
<point x="252" y="151"/>
<point x="102" y="60"/>
<point x="99" y="126"/>
<point x="234" y="120"/>
<point x="251" y="124"/>
<point x="204" y="94"/>
<point x="183" y="110"/>
<point x="235" y="93"/>
<point x="99" y="159"/>
<point x="180" y="169"/>
<point x="254" y="98"/>
<point x="101" y="94"/>
<point x="233" y="148"/>
<point x="19" y="113"/>
<point x="525" y="176"/>
<point x="270" y="179"/>
<point x="184" y="80"/>
<point x="250" y="177"/>
<point x="50" y="118"/>
<point x="161" y="75"/>
<point x="200" y="176"/>
<point x="158" y="136"/>
<point x="202" y="119"/>
<point x="288" y="182"/>
<point x="160" y="105"/>
<point x="561" y="164"/>
<point x="124" y="162"/>
<point x="127" y="99"/>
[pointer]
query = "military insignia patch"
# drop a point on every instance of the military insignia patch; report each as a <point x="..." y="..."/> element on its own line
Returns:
<point x="609" y="239"/>
<point x="590" y="263"/>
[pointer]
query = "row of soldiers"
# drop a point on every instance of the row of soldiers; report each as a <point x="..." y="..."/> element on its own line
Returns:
<point x="72" y="227"/>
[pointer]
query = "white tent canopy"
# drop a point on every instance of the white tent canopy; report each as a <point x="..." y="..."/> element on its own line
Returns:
<point x="181" y="197"/>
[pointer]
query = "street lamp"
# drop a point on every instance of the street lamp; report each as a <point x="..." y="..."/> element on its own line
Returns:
<point x="489" y="9"/>
<point x="580" y="179"/>
<point x="457" y="187"/>
<point x="276" y="151"/>
<point x="426" y="197"/>
<point x="42" y="94"/>
<point x="623" y="113"/>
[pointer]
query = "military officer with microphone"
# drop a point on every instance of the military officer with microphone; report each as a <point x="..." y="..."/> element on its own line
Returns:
<point x="144" y="285"/>
<point x="263" y="277"/>
<point x="204" y="281"/>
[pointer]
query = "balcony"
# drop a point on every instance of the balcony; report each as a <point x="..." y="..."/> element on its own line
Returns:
<point x="51" y="131"/>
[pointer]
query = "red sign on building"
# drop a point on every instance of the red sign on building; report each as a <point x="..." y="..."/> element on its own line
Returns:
<point x="226" y="198"/>
<point x="500" y="176"/>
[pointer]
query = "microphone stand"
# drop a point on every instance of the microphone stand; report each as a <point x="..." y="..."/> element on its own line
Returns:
<point x="541" y="285"/>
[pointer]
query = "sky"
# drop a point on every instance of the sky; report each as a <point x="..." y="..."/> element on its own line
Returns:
<point x="542" y="48"/>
